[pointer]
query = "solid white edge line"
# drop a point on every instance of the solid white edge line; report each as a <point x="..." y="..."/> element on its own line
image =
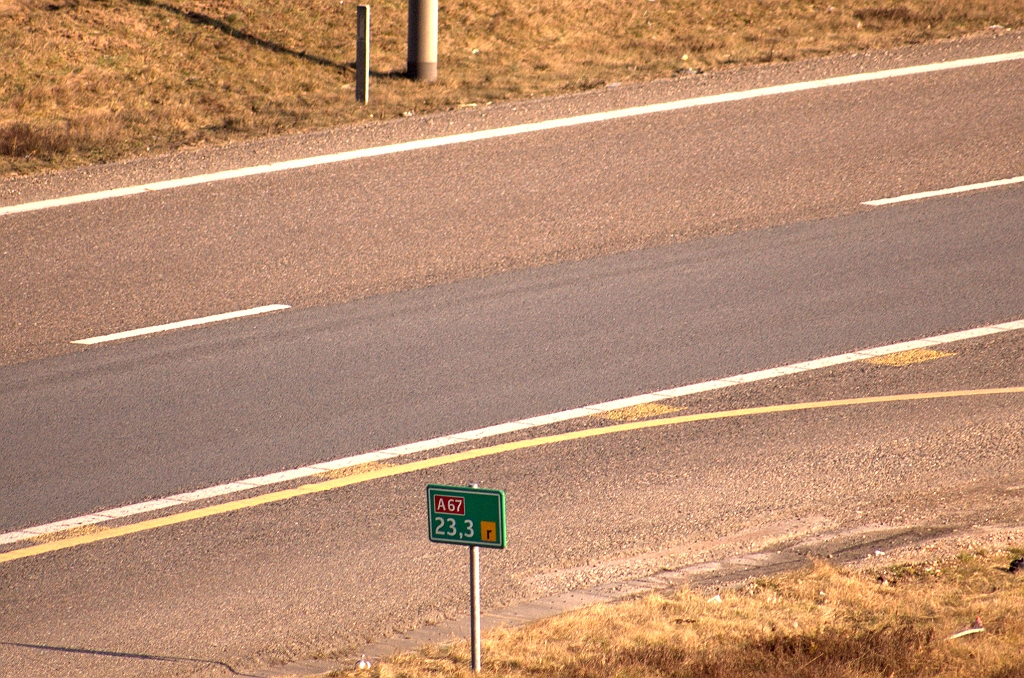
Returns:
<point x="944" y="191"/>
<point x="499" y="429"/>
<point x="466" y="137"/>
<point x="182" y="323"/>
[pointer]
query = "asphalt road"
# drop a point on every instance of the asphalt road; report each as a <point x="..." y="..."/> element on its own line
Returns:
<point x="318" y="575"/>
<point x="341" y="232"/>
<point x="461" y="287"/>
<point x="186" y="410"/>
<point x="116" y="424"/>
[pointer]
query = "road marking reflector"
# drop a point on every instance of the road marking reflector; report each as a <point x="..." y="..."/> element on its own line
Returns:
<point x="433" y="462"/>
<point x="181" y="323"/>
<point x="466" y="137"/>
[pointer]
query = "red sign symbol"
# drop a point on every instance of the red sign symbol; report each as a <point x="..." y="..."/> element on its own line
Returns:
<point x="452" y="505"/>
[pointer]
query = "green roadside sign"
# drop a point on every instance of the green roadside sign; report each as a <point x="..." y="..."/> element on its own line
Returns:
<point x="468" y="516"/>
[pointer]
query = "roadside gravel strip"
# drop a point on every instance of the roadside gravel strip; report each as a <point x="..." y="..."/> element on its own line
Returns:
<point x="490" y="431"/>
<point x="508" y="131"/>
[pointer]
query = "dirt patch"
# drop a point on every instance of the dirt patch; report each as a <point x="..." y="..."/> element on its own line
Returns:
<point x="96" y="80"/>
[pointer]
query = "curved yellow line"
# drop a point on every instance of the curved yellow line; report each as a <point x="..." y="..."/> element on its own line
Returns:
<point x="388" y="471"/>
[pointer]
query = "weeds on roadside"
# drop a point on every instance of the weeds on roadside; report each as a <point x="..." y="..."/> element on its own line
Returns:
<point x="94" y="80"/>
<point x="822" y="621"/>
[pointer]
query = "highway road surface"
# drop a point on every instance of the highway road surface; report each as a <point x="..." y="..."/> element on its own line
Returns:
<point x="176" y="412"/>
<point x="445" y="289"/>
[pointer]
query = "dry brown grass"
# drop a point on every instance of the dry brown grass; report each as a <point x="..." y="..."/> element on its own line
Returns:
<point x="94" y="80"/>
<point x="819" y="622"/>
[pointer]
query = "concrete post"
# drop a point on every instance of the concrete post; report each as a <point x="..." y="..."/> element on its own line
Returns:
<point x="422" y="60"/>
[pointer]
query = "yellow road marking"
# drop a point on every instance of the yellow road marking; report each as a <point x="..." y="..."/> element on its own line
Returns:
<point x="388" y="471"/>
<point x="635" y="412"/>
<point x="911" y="357"/>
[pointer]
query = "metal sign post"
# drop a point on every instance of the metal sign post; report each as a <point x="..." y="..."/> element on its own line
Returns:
<point x="474" y="517"/>
<point x="474" y="605"/>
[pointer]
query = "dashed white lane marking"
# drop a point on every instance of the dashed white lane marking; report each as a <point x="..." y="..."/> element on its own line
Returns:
<point x="510" y="131"/>
<point x="182" y="323"/>
<point x="490" y="431"/>
<point x="944" y="191"/>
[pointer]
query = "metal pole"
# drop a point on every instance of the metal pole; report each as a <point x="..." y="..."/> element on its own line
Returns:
<point x="422" y="57"/>
<point x="363" y="54"/>
<point x="474" y="602"/>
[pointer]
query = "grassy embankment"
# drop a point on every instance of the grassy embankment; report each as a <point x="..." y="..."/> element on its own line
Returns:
<point x="94" y="80"/>
<point x="821" y="622"/>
